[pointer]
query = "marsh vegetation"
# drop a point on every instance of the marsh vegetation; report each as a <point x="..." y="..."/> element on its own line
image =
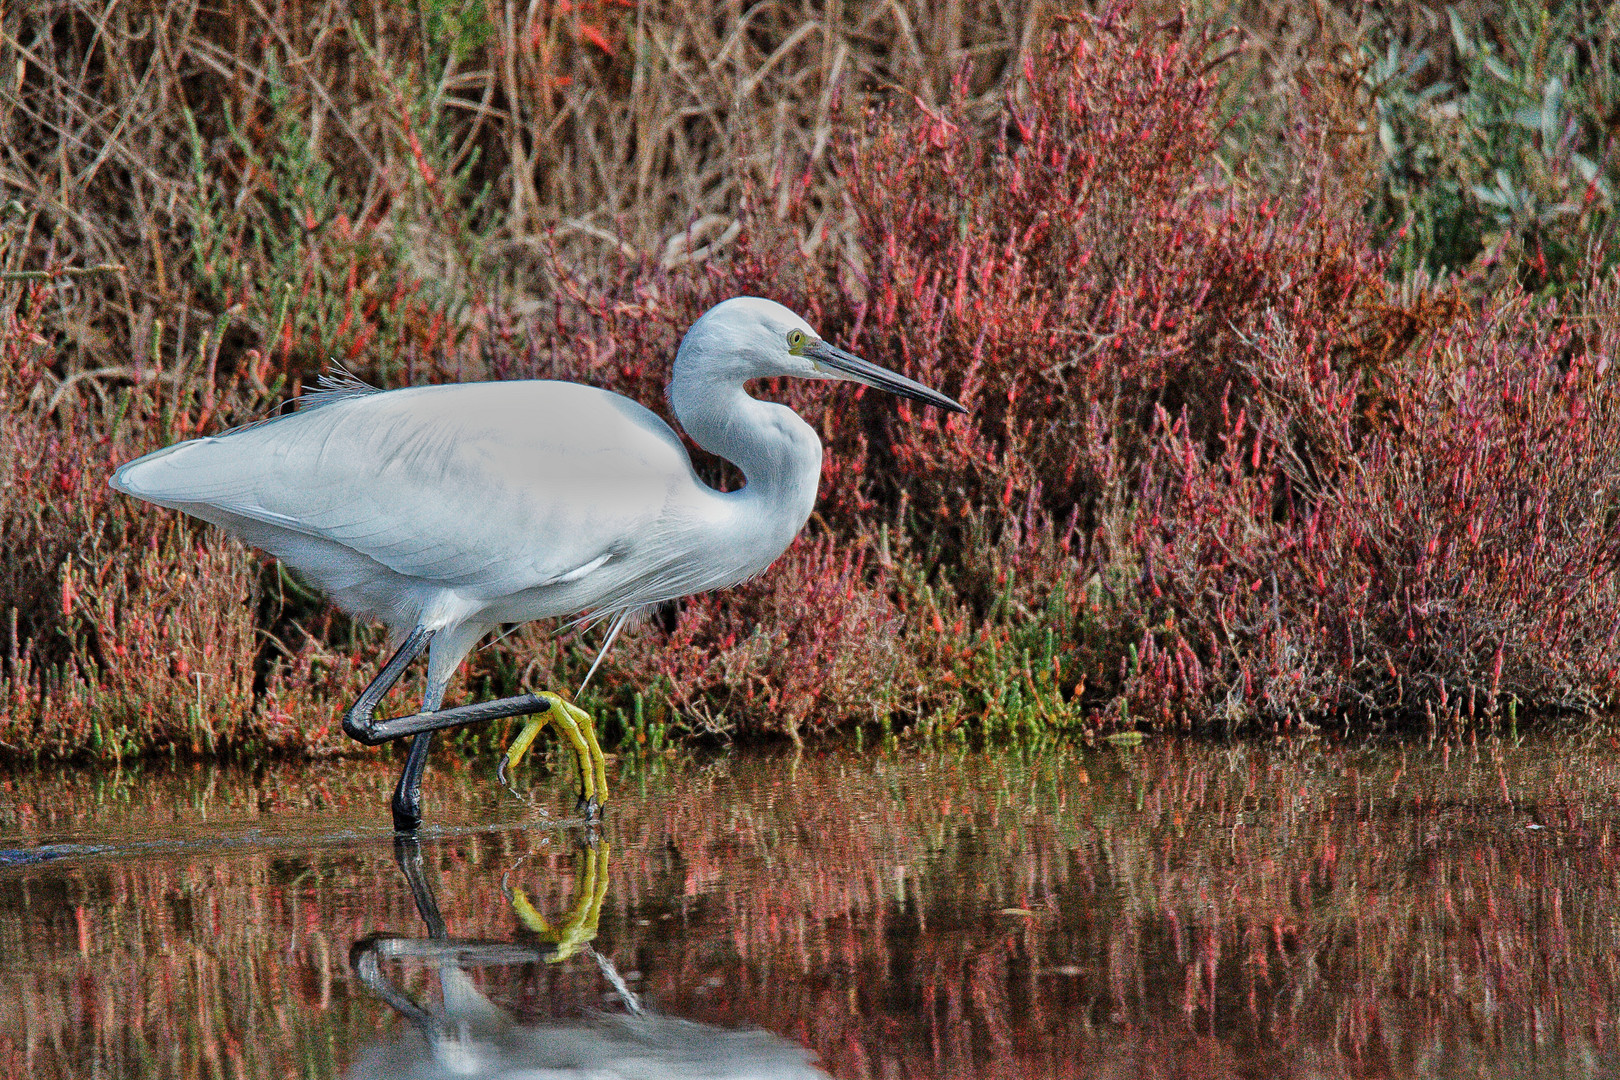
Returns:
<point x="1286" y="338"/>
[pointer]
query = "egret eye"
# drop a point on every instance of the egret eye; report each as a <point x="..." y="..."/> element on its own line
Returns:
<point x="796" y="341"/>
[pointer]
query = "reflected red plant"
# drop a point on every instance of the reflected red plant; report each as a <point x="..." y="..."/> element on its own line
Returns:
<point x="1296" y="909"/>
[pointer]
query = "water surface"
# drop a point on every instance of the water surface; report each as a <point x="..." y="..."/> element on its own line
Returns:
<point x="1290" y="909"/>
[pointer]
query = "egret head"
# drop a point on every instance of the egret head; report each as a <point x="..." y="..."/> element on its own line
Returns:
<point x="747" y="337"/>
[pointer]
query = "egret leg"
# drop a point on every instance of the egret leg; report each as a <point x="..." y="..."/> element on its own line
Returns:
<point x="361" y="724"/>
<point x="590" y="803"/>
<point x="588" y="724"/>
<point x="519" y="746"/>
<point x="408" y="857"/>
<point x="407" y="803"/>
<point x="578" y="928"/>
<point x="563" y="715"/>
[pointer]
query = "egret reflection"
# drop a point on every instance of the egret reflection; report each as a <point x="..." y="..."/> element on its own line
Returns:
<point x="468" y="1035"/>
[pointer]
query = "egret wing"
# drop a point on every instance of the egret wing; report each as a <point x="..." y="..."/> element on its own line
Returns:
<point x="487" y="487"/>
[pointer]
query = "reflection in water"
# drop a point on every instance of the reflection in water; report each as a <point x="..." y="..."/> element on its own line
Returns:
<point x="471" y="1036"/>
<point x="1297" y="909"/>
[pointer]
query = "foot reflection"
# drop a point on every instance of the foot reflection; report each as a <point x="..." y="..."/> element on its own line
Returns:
<point x="469" y="1035"/>
<point x="578" y="929"/>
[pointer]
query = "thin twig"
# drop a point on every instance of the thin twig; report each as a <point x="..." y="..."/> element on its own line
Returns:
<point x="61" y="272"/>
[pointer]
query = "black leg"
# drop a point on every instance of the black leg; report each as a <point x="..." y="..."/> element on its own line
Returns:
<point x="408" y="857"/>
<point x="357" y="722"/>
<point x="407" y="803"/>
<point x="365" y="956"/>
<point x="361" y="724"/>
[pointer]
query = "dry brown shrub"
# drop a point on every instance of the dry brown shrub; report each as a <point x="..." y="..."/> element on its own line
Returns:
<point x="346" y="179"/>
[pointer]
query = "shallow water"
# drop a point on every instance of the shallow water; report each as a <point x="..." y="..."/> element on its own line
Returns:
<point x="1179" y="908"/>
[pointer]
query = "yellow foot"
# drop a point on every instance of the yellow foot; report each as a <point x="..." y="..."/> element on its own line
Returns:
<point x="578" y="928"/>
<point x="576" y="725"/>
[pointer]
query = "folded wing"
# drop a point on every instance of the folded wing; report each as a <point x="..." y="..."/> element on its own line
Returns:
<point x="485" y="488"/>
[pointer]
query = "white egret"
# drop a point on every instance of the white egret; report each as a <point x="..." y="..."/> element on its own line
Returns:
<point x="446" y="511"/>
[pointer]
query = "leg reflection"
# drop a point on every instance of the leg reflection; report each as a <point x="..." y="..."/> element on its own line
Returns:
<point x="469" y="1035"/>
<point x="578" y="928"/>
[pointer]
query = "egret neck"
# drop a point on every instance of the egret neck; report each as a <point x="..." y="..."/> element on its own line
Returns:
<point x="778" y="453"/>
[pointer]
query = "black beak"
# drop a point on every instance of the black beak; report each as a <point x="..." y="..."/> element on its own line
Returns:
<point x="848" y="365"/>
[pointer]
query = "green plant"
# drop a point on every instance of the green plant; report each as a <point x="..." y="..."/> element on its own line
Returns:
<point x="1514" y="162"/>
<point x="315" y="270"/>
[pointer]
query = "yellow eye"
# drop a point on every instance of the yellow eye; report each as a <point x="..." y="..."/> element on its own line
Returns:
<point x="796" y="341"/>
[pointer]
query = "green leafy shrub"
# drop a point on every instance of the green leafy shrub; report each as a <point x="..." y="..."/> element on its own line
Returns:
<point x="1514" y="161"/>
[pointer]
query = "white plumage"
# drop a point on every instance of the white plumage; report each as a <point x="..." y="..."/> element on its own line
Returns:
<point x="446" y="505"/>
<point x="454" y="509"/>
